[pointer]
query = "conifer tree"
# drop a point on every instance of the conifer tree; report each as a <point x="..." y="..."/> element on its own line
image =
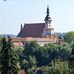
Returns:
<point x="8" y="57"/>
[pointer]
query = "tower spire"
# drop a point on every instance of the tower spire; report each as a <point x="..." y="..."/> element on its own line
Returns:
<point x="47" y="10"/>
<point x="48" y="15"/>
<point x="48" y="30"/>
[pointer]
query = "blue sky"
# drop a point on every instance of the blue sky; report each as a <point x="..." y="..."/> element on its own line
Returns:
<point x="13" y="13"/>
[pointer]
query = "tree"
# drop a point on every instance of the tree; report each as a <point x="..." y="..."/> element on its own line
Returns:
<point x="8" y="57"/>
<point x="65" y="51"/>
<point x="18" y="51"/>
<point x="35" y="55"/>
<point x="29" y="64"/>
<point x="46" y="69"/>
<point x="28" y="59"/>
<point x="0" y="55"/>
<point x="30" y="71"/>
<point x="32" y="62"/>
<point x="72" y="53"/>
<point x="59" y="67"/>
<point x="24" y="65"/>
<point x="72" y="49"/>
<point x="71" y="60"/>
<point x="30" y="48"/>
<point x="69" y="37"/>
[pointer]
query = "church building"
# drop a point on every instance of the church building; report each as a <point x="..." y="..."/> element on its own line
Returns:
<point x="43" y="33"/>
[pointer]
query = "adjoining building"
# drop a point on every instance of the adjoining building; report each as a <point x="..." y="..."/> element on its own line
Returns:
<point x="43" y="33"/>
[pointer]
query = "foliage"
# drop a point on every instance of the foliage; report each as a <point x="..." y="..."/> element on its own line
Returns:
<point x="28" y="59"/>
<point x="65" y="51"/>
<point x="72" y="49"/>
<point x="49" y="52"/>
<point x="34" y="56"/>
<point x="46" y="69"/>
<point x="0" y="55"/>
<point x="69" y="37"/>
<point x="18" y="51"/>
<point x="24" y="65"/>
<point x="45" y="54"/>
<point x="59" y="67"/>
<point x="71" y="60"/>
<point x="30" y="71"/>
<point x="32" y="62"/>
<point x="30" y="48"/>
<point x="72" y="53"/>
<point x="29" y="63"/>
<point x="9" y="64"/>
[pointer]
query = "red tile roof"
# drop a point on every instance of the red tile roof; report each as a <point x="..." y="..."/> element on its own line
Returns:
<point x="32" y="30"/>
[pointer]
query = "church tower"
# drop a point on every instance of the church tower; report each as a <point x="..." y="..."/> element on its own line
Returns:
<point x="48" y="30"/>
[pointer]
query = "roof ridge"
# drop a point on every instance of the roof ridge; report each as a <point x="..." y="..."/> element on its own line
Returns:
<point x="33" y="23"/>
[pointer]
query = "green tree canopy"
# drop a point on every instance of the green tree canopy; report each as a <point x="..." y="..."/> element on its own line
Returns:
<point x="9" y="64"/>
<point x="69" y="37"/>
